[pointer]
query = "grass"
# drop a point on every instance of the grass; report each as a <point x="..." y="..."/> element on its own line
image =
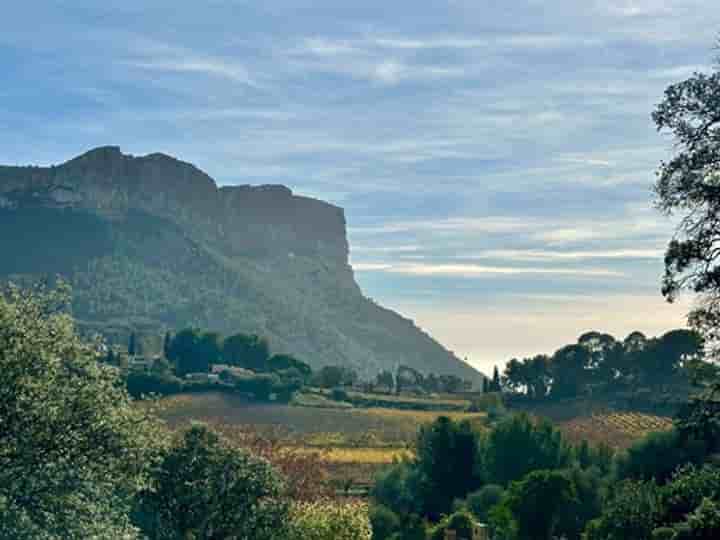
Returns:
<point x="368" y="455"/>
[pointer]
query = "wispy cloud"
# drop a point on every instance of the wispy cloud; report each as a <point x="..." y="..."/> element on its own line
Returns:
<point x="476" y="270"/>
<point x="547" y="255"/>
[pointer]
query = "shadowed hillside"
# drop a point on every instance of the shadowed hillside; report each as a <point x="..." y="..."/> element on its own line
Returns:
<point x="151" y="244"/>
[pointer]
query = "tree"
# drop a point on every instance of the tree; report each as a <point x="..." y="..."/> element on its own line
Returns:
<point x="632" y="512"/>
<point x="386" y="379"/>
<point x="209" y="347"/>
<point x="205" y="489"/>
<point x="495" y="385"/>
<point x="407" y="377"/>
<point x="333" y="376"/>
<point x="192" y="351"/>
<point x="664" y="357"/>
<point x="132" y="345"/>
<point x="704" y="522"/>
<point x="166" y="344"/>
<point x="570" y="370"/>
<point x="481" y="502"/>
<point x="658" y="455"/>
<point x="531" y="376"/>
<point x="460" y="522"/>
<point x="446" y="455"/>
<point x="689" y="184"/>
<point x="518" y="446"/>
<point x="284" y="362"/>
<point x="247" y="351"/>
<point x="538" y="502"/>
<point x="73" y="450"/>
<point x="385" y="523"/>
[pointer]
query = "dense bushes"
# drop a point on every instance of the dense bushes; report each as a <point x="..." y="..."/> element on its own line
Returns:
<point x="526" y="482"/>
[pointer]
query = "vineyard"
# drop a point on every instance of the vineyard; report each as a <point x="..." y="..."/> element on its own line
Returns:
<point x="616" y="429"/>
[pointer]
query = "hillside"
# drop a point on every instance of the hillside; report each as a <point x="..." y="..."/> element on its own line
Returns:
<point x="152" y="244"/>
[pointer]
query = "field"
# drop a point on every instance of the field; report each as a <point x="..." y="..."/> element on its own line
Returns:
<point x="356" y="442"/>
<point x="616" y="429"/>
<point x="384" y="427"/>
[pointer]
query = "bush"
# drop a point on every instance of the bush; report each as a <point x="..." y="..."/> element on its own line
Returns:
<point x="204" y="484"/>
<point x="338" y="394"/>
<point x="658" y="455"/>
<point x="460" y="522"/>
<point x="329" y="520"/>
<point x="664" y="533"/>
<point x="385" y="523"/>
<point x="142" y="384"/>
<point x="481" y="501"/>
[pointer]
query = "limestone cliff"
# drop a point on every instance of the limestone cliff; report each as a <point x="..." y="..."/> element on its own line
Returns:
<point x="152" y="243"/>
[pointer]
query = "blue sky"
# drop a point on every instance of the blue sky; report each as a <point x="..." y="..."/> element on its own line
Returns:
<point x="494" y="158"/>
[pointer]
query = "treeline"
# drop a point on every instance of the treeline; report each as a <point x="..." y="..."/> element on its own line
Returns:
<point x="598" y="364"/>
<point x="527" y="482"/>
<point x="245" y="362"/>
<point x="408" y="379"/>
<point x="241" y="362"/>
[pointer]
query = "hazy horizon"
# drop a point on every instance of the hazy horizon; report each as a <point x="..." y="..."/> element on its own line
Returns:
<point x="494" y="160"/>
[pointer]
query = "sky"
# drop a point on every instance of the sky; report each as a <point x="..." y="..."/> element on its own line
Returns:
<point x="495" y="159"/>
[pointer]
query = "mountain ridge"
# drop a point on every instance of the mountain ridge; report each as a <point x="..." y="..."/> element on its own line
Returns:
<point x="153" y="242"/>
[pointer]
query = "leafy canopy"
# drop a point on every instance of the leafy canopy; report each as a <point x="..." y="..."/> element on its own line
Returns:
<point x="73" y="451"/>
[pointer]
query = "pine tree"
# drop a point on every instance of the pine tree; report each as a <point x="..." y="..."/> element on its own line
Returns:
<point x="495" y="386"/>
<point x="486" y="385"/>
<point x="132" y="345"/>
<point x="166" y="344"/>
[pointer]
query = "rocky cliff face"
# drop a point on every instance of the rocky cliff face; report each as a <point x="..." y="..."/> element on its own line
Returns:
<point x="152" y="243"/>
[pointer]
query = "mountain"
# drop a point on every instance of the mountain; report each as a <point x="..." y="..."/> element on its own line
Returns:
<point x="151" y="243"/>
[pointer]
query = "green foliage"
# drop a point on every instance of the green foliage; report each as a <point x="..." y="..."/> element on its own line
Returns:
<point x="518" y="445"/>
<point x="385" y="523"/>
<point x="329" y="520"/>
<point x="588" y="485"/>
<point x="446" y="455"/>
<point x="247" y="351"/>
<point x="704" y="522"/>
<point x="597" y="362"/>
<point x="334" y="376"/>
<point x="502" y="523"/>
<point x="73" y="450"/>
<point x="399" y="488"/>
<point x="192" y="351"/>
<point x="633" y="511"/>
<point x="338" y="394"/>
<point x="664" y="533"/>
<point x="658" y="455"/>
<point x="284" y="362"/>
<point x="140" y="384"/>
<point x="460" y="522"/>
<point x="689" y="487"/>
<point x="207" y="489"/>
<point x="386" y="379"/>
<point x="538" y="502"/>
<point x="482" y="501"/>
<point x="688" y="185"/>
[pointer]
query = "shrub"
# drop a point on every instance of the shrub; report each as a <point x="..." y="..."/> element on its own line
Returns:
<point x="664" y="533"/>
<point x="460" y="522"/>
<point x="329" y="520"/>
<point x="338" y="394"/>
<point x="481" y="501"/>
<point x="384" y="522"/>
